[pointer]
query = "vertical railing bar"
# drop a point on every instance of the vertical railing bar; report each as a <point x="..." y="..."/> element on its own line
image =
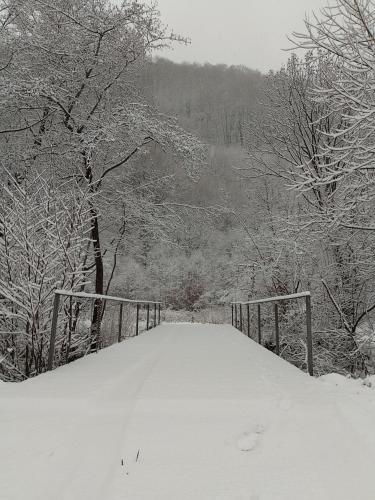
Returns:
<point x="277" y="332"/>
<point x="51" y="353"/>
<point x="103" y="304"/>
<point x="241" y="318"/>
<point x="248" y="320"/>
<point x="70" y="326"/>
<point x="137" y="322"/>
<point x="159" y="314"/>
<point x="148" y="317"/>
<point x="232" y="315"/>
<point x="259" y="326"/>
<point x="310" y="366"/>
<point x="235" y="316"/>
<point x="154" y="315"/>
<point x="120" y="323"/>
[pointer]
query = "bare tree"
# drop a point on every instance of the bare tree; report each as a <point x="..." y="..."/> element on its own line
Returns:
<point x="344" y="33"/>
<point x="43" y="246"/>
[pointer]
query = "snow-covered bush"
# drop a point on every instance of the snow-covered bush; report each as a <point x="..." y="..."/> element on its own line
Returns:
<point x="43" y="246"/>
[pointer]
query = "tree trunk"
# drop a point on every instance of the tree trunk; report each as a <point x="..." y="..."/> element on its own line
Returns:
<point x="99" y="280"/>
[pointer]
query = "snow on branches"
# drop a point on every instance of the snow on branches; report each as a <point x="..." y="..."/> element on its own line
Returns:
<point x="344" y="32"/>
<point x="43" y="246"/>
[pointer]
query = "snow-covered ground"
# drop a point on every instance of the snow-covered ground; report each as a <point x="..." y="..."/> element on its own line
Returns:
<point x="186" y="412"/>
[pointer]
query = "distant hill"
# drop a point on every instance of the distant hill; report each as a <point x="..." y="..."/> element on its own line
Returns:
<point x="214" y="101"/>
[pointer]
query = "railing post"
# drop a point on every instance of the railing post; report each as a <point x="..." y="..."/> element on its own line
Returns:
<point x="96" y="323"/>
<point x="120" y="323"/>
<point x="137" y="322"/>
<point x="159" y="314"/>
<point x="154" y="315"/>
<point x="51" y="353"/>
<point x="148" y="317"/>
<point x="248" y="320"/>
<point x="259" y="326"/>
<point x="241" y="317"/>
<point x="232" y="315"/>
<point x="310" y="367"/>
<point x="235" y="315"/>
<point x="277" y="332"/>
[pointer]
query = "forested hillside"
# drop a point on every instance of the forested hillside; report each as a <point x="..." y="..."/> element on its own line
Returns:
<point x="214" y="101"/>
<point x="198" y="262"/>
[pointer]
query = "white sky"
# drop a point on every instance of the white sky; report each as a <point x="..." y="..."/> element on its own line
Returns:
<point x="248" y="32"/>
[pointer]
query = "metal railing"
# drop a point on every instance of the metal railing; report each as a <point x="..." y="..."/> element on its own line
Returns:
<point x="238" y="321"/>
<point x="85" y="322"/>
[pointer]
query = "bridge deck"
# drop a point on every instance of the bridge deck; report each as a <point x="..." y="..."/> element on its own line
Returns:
<point x="183" y="412"/>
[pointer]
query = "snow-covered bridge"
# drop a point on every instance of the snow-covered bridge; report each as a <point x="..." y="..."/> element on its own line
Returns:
<point x="184" y="412"/>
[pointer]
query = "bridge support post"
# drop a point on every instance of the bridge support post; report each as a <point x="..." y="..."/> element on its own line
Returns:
<point x="259" y="326"/>
<point x="137" y="322"/>
<point x="52" y="341"/>
<point x="310" y="367"/>
<point x="277" y="331"/>
<point x="248" y="320"/>
<point x="120" y="322"/>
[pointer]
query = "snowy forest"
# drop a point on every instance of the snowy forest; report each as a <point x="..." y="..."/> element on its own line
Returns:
<point x="126" y="174"/>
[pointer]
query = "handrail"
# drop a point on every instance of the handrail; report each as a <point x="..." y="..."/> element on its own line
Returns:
<point x="85" y="295"/>
<point x="238" y="320"/>
<point x="276" y="299"/>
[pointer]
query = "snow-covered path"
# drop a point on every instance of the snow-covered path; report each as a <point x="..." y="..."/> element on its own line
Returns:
<point x="184" y="412"/>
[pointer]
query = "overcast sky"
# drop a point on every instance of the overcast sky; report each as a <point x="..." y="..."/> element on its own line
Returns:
<point x="248" y="32"/>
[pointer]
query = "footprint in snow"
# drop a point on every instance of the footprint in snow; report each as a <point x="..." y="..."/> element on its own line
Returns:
<point x="249" y="440"/>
